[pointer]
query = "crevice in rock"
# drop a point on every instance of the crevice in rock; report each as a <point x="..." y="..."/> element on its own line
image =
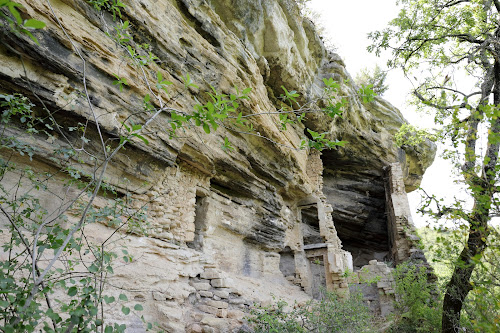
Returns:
<point x="200" y="222"/>
<point x="196" y="24"/>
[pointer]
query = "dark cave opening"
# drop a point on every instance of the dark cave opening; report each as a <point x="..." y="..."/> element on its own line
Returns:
<point x="357" y="195"/>
<point x="310" y="225"/>
<point x="287" y="262"/>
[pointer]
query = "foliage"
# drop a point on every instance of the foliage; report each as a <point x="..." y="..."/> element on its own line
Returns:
<point x="33" y="297"/>
<point x="482" y="308"/>
<point x="276" y="318"/>
<point x="375" y="77"/>
<point x="412" y="136"/>
<point x="417" y="307"/>
<point x="15" y="21"/>
<point x="112" y="6"/>
<point x="451" y="50"/>
<point x="334" y="314"/>
<point x="54" y="278"/>
<point x="330" y="314"/>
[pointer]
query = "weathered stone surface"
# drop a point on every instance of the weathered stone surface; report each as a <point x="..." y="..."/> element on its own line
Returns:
<point x="219" y="219"/>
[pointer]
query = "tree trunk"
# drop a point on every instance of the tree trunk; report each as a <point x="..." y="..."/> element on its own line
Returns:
<point x="459" y="285"/>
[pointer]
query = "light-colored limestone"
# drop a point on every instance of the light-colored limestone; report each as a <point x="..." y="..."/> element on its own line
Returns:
<point x="219" y="221"/>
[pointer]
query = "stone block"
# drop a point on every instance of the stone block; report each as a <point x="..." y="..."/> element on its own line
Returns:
<point x="202" y="286"/>
<point x="170" y="313"/>
<point x="221" y="293"/>
<point x="219" y="283"/>
<point x="382" y="284"/>
<point x="207" y="309"/>
<point x="235" y="314"/>
<point x="237" y="301"/>
<point x="173" y="327"/>
<point x="222" y="313"/>
<point x="372" y="262"/>
<point x="158" y="296"/>
<point x="195" y="328"/>
<point x="208" y="329"/>
<point x="205" y="293"/>
<point x="211" y="273"/>
<point x="218" y="324"/>
<point x="189" y="237"/>
<point x="217" y="304"/>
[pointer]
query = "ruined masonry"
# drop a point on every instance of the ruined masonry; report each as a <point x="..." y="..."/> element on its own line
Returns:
<point x="227" y="228"/>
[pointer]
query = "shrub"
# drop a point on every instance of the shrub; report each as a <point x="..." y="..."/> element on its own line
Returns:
<point x="417" y="306"/>
<point x="330" y="314"/>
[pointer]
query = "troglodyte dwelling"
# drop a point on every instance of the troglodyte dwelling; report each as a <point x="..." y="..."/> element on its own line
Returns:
<point x="226" y="228"/>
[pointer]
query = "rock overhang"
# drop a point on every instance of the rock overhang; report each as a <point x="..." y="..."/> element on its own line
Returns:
<point x="246" y="206"/>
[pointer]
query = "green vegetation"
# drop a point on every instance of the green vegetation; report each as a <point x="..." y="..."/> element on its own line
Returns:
<point x="15" y="21"/>
<point x="417" y="301"/>
<point x="456" y="43"/>
<point x="54" y="278"/>
<point x="330" y="314"/>
<point x="375" y="77"/>
<point x="482" y="306"/>
<point x="411" y="135"/>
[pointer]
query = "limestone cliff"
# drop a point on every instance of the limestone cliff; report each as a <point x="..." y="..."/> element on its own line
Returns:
<point x="221" y="221"/>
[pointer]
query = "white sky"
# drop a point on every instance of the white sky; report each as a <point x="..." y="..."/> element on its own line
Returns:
<point x="347" y="24"/>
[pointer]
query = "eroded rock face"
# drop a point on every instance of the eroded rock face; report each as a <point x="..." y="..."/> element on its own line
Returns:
<point x="218" y="219"/>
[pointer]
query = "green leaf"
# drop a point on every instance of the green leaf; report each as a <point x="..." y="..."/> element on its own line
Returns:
<point x="123" y="297"/>
<point x="138" y="307"/>
<point x="72" y="291"/>
<point x="93" y="268"/>
<point x="109" y="299"/>
<point x="125" y="310"/>
<point x="30" y="35"/>
<point x="12" y="8"/>
<point x="142" y="138"/>
<point x="206" y="128"/>
<point x="34" y="24"/>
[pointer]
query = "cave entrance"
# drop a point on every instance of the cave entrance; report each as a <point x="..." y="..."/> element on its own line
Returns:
<point x="315" y="249"/>
<point x="199" y="223"/>
<point x="310" y="225"/>
<point x="356" y="191"/>
<point x="287" y="263"/>
<point x="317" y="261"/>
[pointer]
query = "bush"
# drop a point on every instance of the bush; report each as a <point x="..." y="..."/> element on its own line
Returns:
<point x="330" y="314"/>
<point x="417" y="306"/>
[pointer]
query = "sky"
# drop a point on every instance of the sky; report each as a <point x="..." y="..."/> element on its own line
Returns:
<point x="347" y="24"/>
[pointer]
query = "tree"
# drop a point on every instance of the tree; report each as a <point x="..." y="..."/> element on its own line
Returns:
<point x="458" y="44"/>
<point x="376" y="77"/>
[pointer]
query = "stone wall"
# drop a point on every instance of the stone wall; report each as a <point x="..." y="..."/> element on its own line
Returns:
<point x="226" y="228"/>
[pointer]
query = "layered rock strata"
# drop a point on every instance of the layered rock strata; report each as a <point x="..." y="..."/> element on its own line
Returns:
<point x="226" y="228"/>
